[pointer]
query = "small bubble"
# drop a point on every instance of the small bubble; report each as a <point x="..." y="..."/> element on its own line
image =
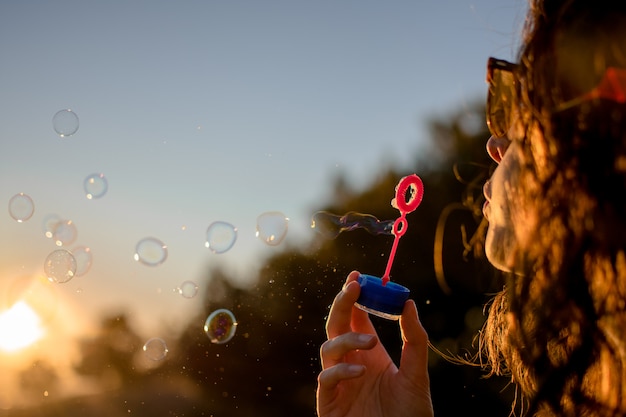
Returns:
<point x="95" y="185"/>
<point x="49" y="224"/>
<point x="83" y="257"/>
<point x="64" y="232"/>
<point x="65" y="123"/>
<point x="188" y="289"/>
<point x="155" y="349"/>
<point x="220" y="236"/>
<point x="220" y="326"/>
<point x="60" y="266"/>
<point x="150" y="251"/>
<point x="271" y="227"/>
<point x="21" y="207"/>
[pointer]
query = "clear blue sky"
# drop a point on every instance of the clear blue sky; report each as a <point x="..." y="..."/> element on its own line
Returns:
<point x="199" y="111"/>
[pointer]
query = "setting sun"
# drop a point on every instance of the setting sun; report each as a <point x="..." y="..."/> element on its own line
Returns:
<point x="20" y="327"/>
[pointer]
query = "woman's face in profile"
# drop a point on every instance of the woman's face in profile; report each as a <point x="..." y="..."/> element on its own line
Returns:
<point x="510" y="223"/>
<point x="497" y="209"/>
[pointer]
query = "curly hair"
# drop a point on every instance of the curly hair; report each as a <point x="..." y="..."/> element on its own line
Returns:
<point x="559" y="326"/>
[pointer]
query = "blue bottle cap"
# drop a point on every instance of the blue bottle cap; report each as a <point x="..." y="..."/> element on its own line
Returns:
<point x="385" y="301"/>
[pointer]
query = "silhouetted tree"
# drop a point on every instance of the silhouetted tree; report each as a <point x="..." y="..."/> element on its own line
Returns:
<point x="270" y="366"/>
<point x="108" y="357"/>
<point x="39" y="380"/>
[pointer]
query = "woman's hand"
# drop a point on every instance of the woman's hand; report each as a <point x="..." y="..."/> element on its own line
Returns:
<point x="358" y="377"/>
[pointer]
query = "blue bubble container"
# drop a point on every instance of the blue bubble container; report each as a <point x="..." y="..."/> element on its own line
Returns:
<point x="385" y="301"/>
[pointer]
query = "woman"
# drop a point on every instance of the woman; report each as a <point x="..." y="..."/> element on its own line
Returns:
<point x="556" y="207"/>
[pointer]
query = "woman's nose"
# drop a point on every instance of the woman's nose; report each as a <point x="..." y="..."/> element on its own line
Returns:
<point x="497" y="146"/>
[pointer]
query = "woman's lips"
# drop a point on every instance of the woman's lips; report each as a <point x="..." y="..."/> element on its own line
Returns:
<point x="487" y="194"/>
<point x="487" y="190"/>
<point x="486" y="209"/>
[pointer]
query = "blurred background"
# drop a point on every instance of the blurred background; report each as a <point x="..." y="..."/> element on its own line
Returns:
<point x="160" y="161"/>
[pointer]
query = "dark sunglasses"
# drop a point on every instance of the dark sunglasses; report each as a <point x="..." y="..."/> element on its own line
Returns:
<point x="504" y="87"/>
<point x="501" y="95"/>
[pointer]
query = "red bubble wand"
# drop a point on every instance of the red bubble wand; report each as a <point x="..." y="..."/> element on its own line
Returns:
<point x="405" y="205"/>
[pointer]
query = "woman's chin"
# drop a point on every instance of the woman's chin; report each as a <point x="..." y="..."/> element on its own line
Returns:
<point x="498" y="247"/>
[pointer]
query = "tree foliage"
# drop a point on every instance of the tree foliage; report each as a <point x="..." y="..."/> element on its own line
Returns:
<point x="270" y="367"/>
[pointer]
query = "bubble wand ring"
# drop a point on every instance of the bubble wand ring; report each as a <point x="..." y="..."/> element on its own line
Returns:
<point x="382" y="297"/>
<point x="405" y="206"/>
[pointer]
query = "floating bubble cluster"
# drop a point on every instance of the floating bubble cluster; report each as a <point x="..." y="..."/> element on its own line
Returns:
<point x="331" y="225"/>
<point x="21" y="207"/>
<point x="220" y="326"/>
<point x="65" y="123"/>
<point x="62" y="265"/>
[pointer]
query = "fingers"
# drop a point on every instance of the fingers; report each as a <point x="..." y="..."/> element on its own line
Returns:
<point x="352" y="276"/>
<point x="340" y="315"/>
<point x="334" y="350"/>
<point x="414" y="361"/>
<point x="328" y="379"/>
<point x="334" y="370"/>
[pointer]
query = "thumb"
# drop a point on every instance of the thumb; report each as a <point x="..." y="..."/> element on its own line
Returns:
<point x="414" y="360"/>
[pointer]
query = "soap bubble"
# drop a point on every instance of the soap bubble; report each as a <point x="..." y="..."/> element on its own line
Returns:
<point x="64" y="232"/>
<point x="271" y="227"/>
<point x="83" y="257"/>
<point x="220" y="236"/>
<point x="331" y="225"/>
<point x="21" y="207"/>
<point x="188" y="289"/>
<point x="49" y="223"/>
<point x="150" y="251"/>
<point x="155" y="349"/>
<point x="65" y="123"/>
<point x="95" y="186"/>
<point x="60" y="266"/>
<point x="220" y="326"/>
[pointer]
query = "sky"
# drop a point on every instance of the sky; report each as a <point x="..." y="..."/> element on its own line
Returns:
<point x="203" y="111"/>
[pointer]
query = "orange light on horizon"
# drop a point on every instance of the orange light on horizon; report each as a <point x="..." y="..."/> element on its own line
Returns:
<point x="20" y="327"/>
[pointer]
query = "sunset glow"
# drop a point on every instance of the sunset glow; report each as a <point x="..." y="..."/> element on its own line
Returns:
<point x="20" y="327"/>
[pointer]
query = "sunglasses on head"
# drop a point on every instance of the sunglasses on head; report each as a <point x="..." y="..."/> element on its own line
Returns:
<point x="504" y="87"/>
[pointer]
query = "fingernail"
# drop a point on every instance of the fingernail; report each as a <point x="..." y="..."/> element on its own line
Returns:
<point x="365" y="338"/>
<point x="355" y="369"/>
